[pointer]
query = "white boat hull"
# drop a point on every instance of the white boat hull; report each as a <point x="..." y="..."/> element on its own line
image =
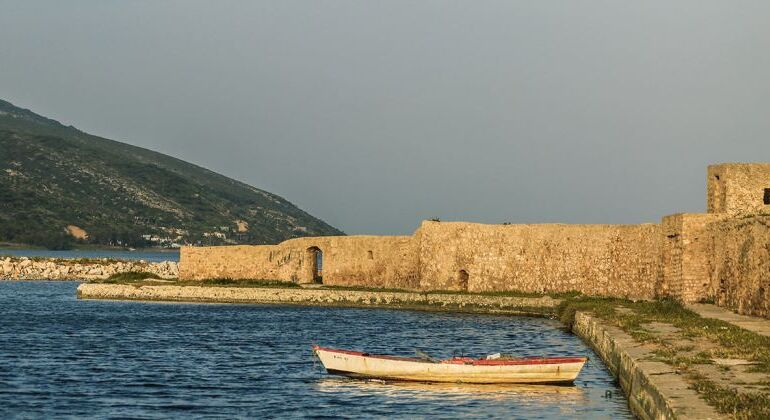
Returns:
<point x="519" y="371"/>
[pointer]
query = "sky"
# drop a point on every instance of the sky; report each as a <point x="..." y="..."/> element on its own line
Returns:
<point x="375" y="115"/>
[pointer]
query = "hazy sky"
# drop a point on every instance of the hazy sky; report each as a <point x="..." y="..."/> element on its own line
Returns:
<point x="374" y="115"/>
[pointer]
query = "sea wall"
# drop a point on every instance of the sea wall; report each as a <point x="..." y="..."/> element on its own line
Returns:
<point x="654" y="389"/>
<point x="323" y="297"/>
<point x="605" y="260"/>
<point x="64" y="269"/>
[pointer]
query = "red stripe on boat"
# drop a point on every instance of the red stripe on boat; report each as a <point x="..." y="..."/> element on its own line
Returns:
<point x="467" y="360"/>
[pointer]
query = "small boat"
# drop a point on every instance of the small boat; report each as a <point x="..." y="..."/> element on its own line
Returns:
<point x="493" y="369"/>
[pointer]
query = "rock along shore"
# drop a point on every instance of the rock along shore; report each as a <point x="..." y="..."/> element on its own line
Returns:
<point x="24" y="268"/>
<point x="322" y="297"/>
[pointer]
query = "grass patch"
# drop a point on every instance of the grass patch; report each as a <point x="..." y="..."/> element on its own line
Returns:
<point x="130" y="276"/>
<point x="138" y="279"/>
<point x="227" y="282"/>
<point x="728" y="401"/>
<point x="367" y="289"/>
<point x="735" y="342"/>
<point x="673" y="357"/>
<point x="454" y="292"/>
<point x="89" y="261"/>
<point x="510" y="293"/>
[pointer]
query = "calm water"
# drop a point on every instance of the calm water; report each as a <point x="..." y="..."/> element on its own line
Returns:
<point x="147" y="255"/>
<point x="60" y="356"/>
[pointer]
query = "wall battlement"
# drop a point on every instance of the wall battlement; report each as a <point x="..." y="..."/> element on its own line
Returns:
<point x="722" y="255"/>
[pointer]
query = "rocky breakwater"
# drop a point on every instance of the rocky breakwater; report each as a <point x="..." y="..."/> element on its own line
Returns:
<point x="83" y="269"/>
<point x="323" y="297"/>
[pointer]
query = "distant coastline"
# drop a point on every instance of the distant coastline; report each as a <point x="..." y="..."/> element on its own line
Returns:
<point x="83" y="269"/>
<point x="86" y="247"/>
<point x="153" y="255"/>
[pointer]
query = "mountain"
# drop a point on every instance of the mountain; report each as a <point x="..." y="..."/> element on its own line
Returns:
<point x="60" y="186"/>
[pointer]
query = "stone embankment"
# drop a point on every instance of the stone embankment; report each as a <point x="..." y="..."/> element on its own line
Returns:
<point x="323" y="297"/>
<point x="654" y="389"/>
<point x="86" y="269"/>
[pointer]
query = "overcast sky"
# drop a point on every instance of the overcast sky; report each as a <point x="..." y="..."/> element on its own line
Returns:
<point x="374" y="115"/>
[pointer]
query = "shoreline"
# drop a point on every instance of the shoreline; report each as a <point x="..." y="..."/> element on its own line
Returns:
<point x="435" y="302"/>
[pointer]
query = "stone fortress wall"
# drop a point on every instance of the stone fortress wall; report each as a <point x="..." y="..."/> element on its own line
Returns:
<point x="722" y="255"/>
<point x="370" y="261"/>
<point x="607" y="260"/>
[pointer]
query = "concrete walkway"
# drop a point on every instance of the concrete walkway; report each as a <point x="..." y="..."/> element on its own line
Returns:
<point x="758" y="325"/>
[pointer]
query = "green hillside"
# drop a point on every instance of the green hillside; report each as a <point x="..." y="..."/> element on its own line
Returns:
<point x="53" y="177"/>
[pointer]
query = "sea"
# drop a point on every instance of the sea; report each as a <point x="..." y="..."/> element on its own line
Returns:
<point x="61" y="357"/>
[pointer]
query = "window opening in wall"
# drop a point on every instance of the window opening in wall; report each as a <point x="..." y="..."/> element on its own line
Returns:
<point x="370" y="254"/>
<point x="767" y="196"/>
<point x="462" y="280"/>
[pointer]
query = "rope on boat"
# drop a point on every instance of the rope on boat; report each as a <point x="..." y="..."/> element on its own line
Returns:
<point x="317" y="365"/>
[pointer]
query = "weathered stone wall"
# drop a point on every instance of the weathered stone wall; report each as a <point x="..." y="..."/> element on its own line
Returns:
<point x="738" y="188"/>
<point x="739" y="264"/>
<point x="715" y="257"/>
<point x="375" y="261"/>
<point x="685" y="252"/>
<point x="63" y="269"/>
<point x="609" y="260"/>
<point x="671" y="248"/>
<point x="606" y="260"/>
<point x="237" y="262"/>
<point x="721" y="255"/>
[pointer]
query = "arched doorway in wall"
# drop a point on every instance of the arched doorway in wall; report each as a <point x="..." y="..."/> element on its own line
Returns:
<point x="462" y="280"/>
<point x="316" y="258"/>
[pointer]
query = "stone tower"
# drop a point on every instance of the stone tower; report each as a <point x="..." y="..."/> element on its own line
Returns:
<point x="739" y="188"/>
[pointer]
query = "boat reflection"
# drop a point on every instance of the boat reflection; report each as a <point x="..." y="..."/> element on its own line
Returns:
<point x="543" y="393"/>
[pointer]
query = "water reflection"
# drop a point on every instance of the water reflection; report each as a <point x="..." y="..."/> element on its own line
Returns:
<point x="545" y="394"/>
